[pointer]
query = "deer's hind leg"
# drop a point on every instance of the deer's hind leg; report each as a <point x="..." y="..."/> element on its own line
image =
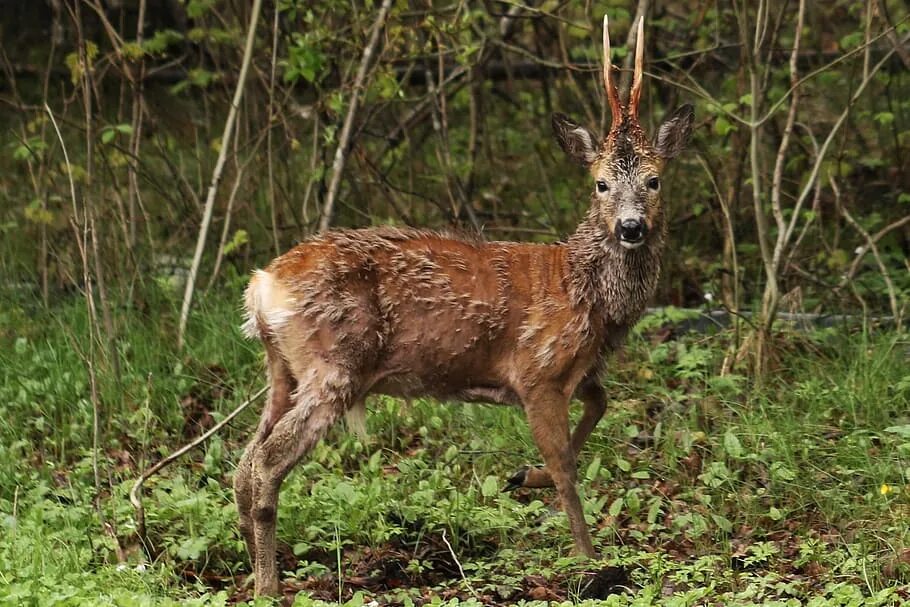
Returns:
<point x="281" y="385"/>
<point x="324" y="392"/>
<point x="243" y="496"/>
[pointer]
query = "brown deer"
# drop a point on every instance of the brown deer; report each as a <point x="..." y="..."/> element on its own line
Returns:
<point x="406" y="313"/>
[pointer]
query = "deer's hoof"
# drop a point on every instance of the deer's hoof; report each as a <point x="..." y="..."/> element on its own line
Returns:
<point x="532" y="477"/>
<point x="516" y="480"/>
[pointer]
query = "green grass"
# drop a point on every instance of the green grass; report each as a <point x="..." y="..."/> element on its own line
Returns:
<point x="700" y="488"/>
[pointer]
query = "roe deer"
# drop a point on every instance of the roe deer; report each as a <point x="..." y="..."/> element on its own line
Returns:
<point x="406" y="312"/>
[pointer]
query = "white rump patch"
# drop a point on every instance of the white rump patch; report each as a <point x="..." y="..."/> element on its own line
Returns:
<point x="268" y="305"/>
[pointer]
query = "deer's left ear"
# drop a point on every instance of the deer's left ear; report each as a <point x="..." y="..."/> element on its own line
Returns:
<point x="578" y="142"/>
<point x="673" y="134"/>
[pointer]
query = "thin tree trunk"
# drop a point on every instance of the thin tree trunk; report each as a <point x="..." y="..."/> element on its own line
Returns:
<point x="216" y="174"/>
<point x="328" y="208"/>
<point x="268" y="126"/>
<point x="136" y="131"/>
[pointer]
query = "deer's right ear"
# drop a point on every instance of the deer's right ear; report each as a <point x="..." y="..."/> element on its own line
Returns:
<point x="674" y="134"/>
<point x="578" y="142"/>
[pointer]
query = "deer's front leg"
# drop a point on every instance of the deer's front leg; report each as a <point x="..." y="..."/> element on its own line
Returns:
<point x="594" y="399"/>
<point x="548" y="416"/>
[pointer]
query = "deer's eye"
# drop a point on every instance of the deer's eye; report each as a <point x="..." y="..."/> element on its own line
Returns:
<point x="602" y="186"/>
<point x="654" y="183"/>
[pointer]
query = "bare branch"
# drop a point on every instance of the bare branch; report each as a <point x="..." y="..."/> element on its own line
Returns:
<point x="899" y="47"/>
<point x="136" y="496"/>
<point x="216" y="174"/>
<point x="873" y="239"/>
<point x="816" y="167"/>
<point x="328" y="207"/>
<point x="777" y="179"/>
<point x="870" y="245"/>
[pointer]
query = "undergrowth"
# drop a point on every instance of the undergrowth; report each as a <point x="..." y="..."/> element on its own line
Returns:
<point x="701" y="488"/>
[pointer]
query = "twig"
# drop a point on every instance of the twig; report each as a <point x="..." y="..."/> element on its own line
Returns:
<point x="460" y="569"/>
<point x="761" y="221"/>
<point x="733" y="306"/>
<point x="136" y="496"/>
<point x="138" y="83"/>
<point x="874" y="238"/>
<point x="640" y="12"/>
<point x="696" y="89"/>
<point x="899" y="46"/>
<point x="314" y="157"/>
<point x="328" y="207"/>
<point x="816" y="199"/>
<point x="778" y="176"/>
<point x="816" y="167"/>
<point x="271" y="111"/>
<point x="454" y="188"/>
<point x="239" y="172"/>
<point x="216" y="174"/>
<point x="870" y="244"/>
<point x="66" y="158"/>
<point x="82" y="244"/>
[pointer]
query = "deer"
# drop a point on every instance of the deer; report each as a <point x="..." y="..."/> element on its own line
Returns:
<point x="409" y="312"/>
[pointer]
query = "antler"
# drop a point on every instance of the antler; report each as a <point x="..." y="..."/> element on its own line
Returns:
<point x="609" y="85"/>
<point x="635" y="92"/>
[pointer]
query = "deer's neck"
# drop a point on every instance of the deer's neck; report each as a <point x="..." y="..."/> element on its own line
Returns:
<point x="616" y="283"/>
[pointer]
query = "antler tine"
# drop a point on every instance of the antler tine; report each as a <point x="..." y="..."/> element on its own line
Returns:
<point x="635" y="92"/>
<point x="609" y="85"/>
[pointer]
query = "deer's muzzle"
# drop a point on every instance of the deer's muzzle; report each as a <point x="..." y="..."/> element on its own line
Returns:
<point x="631" y="232"/>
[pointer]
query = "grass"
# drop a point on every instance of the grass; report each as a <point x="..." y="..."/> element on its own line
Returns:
<point x="700" y="488"/>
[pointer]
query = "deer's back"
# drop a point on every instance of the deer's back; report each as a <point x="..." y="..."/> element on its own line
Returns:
<point x="418" y="312"/>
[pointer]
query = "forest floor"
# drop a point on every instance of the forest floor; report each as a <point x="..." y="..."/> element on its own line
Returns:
<point x="701" y="488"/>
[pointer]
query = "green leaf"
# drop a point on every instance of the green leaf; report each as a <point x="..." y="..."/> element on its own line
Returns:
<point x="780" y="471"/>
<point x="732" y="445"/>
<point x="192" y="548"/>
<point x="35" y="213"/>
<point x="616" y="506"/>
<point x="490" y="486"/>
<point x="240" y="238"/>
<point x="852" y="40"/>
<point x="159" y="43"/>
<point x="775" y="514"/>
<point x="623" y="465"/>
<point x="305" y="60"/>
<point x="21" y="152"/>
<point x="107" y="135"/>
<point x="198" y="8"/>
<point x="722" y="126"/>
<point x="884" y="118"/>
<point x="654" y="511"/>
<point x="593" y="469"/>
<point x="722" y="522"/>
<point x="902" y="431"/>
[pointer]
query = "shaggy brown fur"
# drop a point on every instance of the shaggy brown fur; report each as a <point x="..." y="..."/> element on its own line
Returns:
<point x="411" y="313"/>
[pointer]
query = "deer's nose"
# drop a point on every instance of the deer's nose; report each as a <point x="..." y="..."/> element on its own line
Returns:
<point x="631" y="230"/>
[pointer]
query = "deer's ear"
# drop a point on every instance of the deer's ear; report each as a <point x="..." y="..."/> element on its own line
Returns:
<point x="578" y="142"/>
<point x="673" y="134"/>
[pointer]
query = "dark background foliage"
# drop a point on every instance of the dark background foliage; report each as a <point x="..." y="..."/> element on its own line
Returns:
<point x="451" y="131"/>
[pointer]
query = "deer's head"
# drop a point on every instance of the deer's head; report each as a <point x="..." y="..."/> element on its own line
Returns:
<point x="625" y="165"/>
